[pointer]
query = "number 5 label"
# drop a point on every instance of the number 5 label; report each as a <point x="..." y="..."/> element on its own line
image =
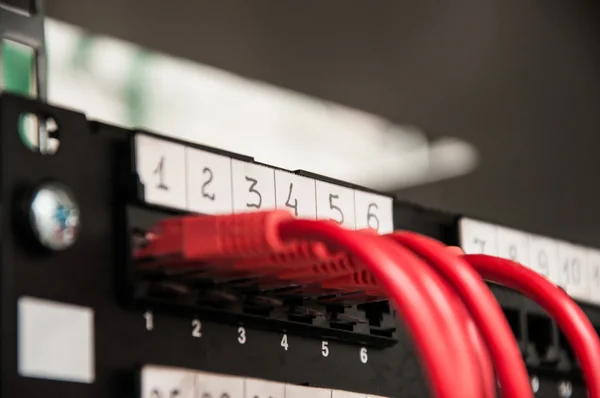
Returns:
<point x="374" y="211"/>
<point x="209" y="182"/>
<point x="335" y="203"/>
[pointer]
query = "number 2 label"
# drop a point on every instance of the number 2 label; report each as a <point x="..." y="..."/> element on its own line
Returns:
<point x="208" y="182"/>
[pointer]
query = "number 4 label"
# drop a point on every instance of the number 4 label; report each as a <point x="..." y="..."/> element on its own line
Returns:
<point x="295" y="194"/>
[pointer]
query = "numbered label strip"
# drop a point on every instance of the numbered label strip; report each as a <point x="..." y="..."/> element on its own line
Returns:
<point x="167" y="382"/>
<point x="185" y="178"/>
<point x="575" y="268"/>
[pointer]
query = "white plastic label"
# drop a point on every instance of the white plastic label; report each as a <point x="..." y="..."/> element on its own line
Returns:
<point x="296" y="194"/>
<point x="293" y="391"/>
<point x="543" y="257"/>
<point x="256" y="388"/>
<point x="217" y="386"/>
<point x="208" y="182"/>
<point x="161" y="167"/>
<point x="335" y="203"/>
<point x="253" y="187"/>
<point x="513" y="245"/>
<point x="55" y="340"/>
<point x="477" y="237"/>
<point x="594" y="270"/>
<point x="164" y="382"/>
<point x="374" y="211"/>
<point x="573" y="265"/>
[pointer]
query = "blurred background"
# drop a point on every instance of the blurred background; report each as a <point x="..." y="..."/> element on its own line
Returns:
<point x="490" y="108"/>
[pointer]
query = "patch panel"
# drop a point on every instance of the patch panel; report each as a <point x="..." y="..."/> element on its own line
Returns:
<point x="351" y="354"/>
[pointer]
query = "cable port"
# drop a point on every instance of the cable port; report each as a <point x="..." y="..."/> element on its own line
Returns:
<point x="246" y="274"/>
<point x="540" y="335"/>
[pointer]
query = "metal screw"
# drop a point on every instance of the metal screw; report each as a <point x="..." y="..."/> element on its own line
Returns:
<point x="535" y="384"/>
<point x="54" y="216"/>
<point x="565" y="389"/>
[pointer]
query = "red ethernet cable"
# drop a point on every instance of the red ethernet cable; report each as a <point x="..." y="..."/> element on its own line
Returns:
<point x="484" y="309"/>
<point x="567" y="314"/>
<point x="450" y="375"/>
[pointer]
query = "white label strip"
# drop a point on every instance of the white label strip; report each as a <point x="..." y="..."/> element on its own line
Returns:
<point x="574" y="268"/>
<point x="185" y="178"/>
<point x="161" y="381"/>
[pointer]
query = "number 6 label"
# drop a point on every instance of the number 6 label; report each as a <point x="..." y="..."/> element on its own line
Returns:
<point x="374" y="211"/>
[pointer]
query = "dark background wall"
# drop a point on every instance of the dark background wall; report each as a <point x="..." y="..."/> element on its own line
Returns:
<point x="518" y="79"/>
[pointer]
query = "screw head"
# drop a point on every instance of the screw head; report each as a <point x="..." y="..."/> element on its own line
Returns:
<point x="535" y="384"/>
<point x="54" y="216"/>
<point x="565" y="389"/>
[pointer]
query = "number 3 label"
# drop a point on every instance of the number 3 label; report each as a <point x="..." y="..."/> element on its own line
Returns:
<point x="374" y="211"/>
<point x="253" y="187"/>
<point x="208" y="182"/>
<point x="335" y="203"/>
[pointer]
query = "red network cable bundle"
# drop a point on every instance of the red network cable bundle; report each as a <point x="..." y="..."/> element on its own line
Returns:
<point x="462" y="336"/>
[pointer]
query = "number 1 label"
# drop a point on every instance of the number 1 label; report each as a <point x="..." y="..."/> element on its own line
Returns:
<point x="160" y="166"/>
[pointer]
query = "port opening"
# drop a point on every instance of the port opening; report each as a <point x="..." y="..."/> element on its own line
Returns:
<point x="513" y="317"/>
<point x="242" y="300"/>
<point x="565" y="346"/>
<point x="539" y="333"/>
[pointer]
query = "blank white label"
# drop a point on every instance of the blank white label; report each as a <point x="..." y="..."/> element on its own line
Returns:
<point x="477" y="237"/>
<point x="293" y="391"/>
<point x="335" y="203"/>
<point x="218" y="386"/>
<point x="253" y="187"/>
<point x="208" y="182"/>
<point x="574" y="276"/>
<point x="55" y="340"/>
<point x="296" y="194"/>
<point x="374" y="211"/>
<point x="543" y="257"/>
<point x="594" y="270"/>
<point x="165" y="382"/>
<point x="161" y="168"/>
<point x="513" y="245"/>
<point x="256" y="388"/>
